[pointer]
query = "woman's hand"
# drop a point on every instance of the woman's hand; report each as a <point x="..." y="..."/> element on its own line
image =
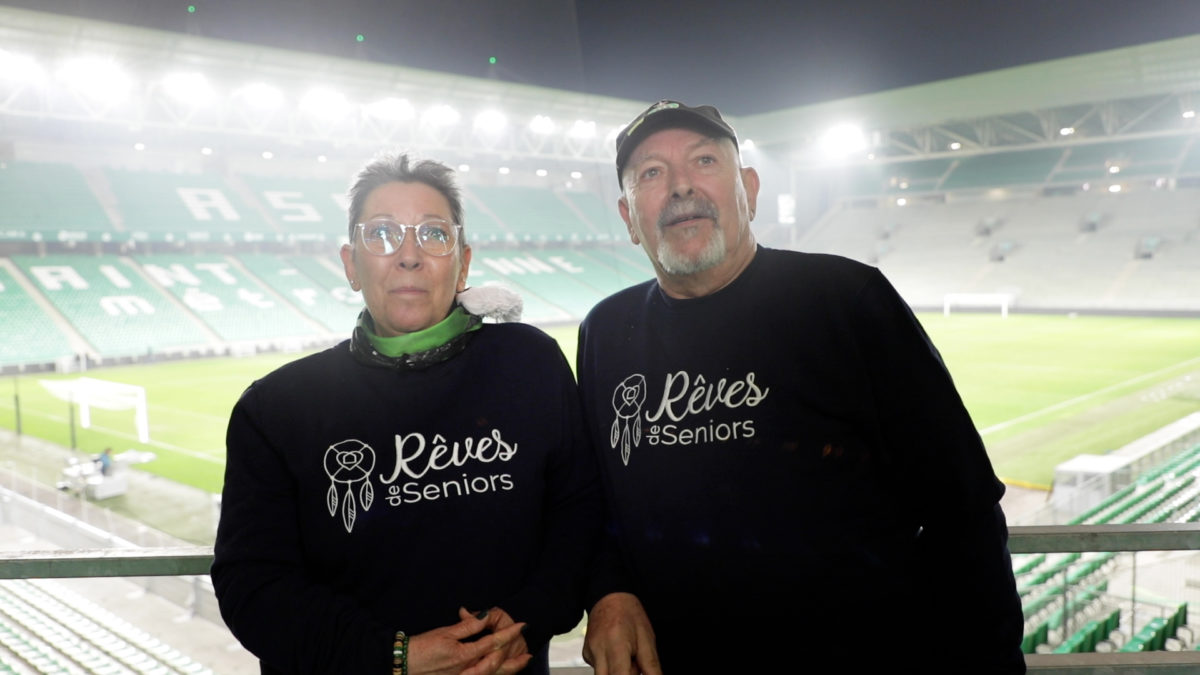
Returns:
<point x="442" y="651"/>
<point x="497" y="619"/>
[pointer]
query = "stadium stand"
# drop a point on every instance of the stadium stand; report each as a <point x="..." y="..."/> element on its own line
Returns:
<point x="898" y="178"/>
<point x="600" y="215"/>
<point x="49" y="201"/>
<point x="61" y="631"/>
<point x="554" y="282"/>
<point x="164" y="206"/>
<point x="305" y="209"/>
<point x="111" y="305"/>
<point x="33" y="336"/>
<point x="324" y="298"/>
<point x="532" y="214"/>
<point x="236" y="306"/>
<point x="930" y="249"/>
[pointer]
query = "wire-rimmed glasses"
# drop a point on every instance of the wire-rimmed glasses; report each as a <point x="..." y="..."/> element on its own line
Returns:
<point x="384" y="236"/>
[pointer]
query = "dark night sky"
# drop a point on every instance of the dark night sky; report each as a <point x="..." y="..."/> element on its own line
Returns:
<point x="746" y="56"/>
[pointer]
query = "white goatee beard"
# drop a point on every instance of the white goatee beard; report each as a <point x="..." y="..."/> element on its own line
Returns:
<point x="675" y="263"/>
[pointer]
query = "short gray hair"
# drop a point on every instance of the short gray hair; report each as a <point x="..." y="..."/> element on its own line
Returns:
<point x="395" y="168"/>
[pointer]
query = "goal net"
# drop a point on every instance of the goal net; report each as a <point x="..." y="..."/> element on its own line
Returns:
<point x="89" y="392"/>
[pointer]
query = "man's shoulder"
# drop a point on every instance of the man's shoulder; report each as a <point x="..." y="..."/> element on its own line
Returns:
<point x="817" y="262"/>
<point x="620" y="301"/>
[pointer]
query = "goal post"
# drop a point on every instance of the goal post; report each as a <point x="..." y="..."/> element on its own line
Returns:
<point x="977" y="300"/>
<point x="89" y="392"/>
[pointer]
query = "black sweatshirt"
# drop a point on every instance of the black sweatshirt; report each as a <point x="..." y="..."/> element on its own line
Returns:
<point x="360" y="500"/>
<point x="789" y="468"/>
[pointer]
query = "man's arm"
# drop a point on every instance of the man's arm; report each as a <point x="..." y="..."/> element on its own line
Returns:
<point x="964" y="567"/>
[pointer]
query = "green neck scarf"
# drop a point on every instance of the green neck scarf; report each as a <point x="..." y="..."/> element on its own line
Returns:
<point x="437" y="335"/>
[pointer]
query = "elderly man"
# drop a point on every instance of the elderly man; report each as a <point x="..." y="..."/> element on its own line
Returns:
<point x="792" y="477"/>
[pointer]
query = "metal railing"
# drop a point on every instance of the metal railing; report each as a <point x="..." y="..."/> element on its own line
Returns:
<point x="196" y="560"/>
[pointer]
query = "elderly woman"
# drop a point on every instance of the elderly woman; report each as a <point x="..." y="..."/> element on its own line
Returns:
<point x="419" y="498"/>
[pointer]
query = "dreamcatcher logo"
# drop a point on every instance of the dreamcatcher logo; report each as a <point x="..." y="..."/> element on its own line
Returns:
<point x="627" y="401"/>
<point x="349" y="462"/>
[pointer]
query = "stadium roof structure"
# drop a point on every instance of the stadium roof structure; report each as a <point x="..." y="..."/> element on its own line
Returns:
<point x="1144" y="90"/>
<point x="362" y="104"/>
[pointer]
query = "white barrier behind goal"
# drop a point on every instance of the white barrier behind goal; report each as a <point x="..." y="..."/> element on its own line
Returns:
<point x="87" y="392"/>
<point x="978" y="300"/>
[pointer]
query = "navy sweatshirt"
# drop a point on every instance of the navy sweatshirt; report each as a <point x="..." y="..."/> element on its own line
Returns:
<point x="790" y="472"/>
<point x="360" y="500"/>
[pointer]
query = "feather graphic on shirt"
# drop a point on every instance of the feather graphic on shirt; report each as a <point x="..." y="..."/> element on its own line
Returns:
<point x="350" y="461"/>
<point x="367" y="495"/>
<point x="349" y="511"/>
<point x="627" y="401"/>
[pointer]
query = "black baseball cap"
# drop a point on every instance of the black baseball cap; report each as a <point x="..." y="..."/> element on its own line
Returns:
<point x="669" y="115"/>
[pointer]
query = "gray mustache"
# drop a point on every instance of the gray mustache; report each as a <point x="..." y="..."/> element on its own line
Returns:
<point x="691" y="207"/>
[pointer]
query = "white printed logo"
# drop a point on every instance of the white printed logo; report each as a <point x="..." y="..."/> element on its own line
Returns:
<point x="349" y="462"/>
<point x="691" y="411"/>
<point x="627" y="402"/>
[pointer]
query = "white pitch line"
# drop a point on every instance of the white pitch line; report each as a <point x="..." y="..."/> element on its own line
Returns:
<point x="133" y="437"/>
<point x="1079" y="399"/>
<point x="165" y="446"/>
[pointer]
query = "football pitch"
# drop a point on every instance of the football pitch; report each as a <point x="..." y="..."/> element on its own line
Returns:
<point x="1040" y="388"/>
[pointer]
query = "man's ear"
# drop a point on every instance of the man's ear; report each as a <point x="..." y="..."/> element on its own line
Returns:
<point x="623" y="208"/>
<point x="751" y="183"/>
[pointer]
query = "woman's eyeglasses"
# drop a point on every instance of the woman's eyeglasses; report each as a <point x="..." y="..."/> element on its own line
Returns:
<point x="383" y="236"/>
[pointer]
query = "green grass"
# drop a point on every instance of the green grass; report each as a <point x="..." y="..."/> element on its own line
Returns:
<point x="1041" y="389"/>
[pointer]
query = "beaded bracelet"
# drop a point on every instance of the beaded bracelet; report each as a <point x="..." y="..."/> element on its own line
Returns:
<point x="400" y="654"/>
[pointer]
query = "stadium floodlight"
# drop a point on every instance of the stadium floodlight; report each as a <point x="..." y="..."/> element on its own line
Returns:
<point x="440" y="115"/>
<point x="20" y="68"/>
<point x="190" y="89"/>
<point x="1114" y="188"/>
<point x="267" y="154"/>
<point x="542" y="173"/>
<point x="98" y="80"/>
<point x="324" y="104"/>
<point x="901" y="201"/>
<point x="576" y="175"/>
<point x="261" y="96"/>
<point x="540" y="124"/>
<point x="504" y="171"/>
<point x="842" y="140"/>
<point x="956" y="146"/>
<point x="1066" y="131"/>
<point x="206" y="151"/>
<point x="582" y="129"/>
<point x="390" y="109"/>
<point x="748" y="144"/>
<point x="1114" y="169"/>
<point x="1189" y="114"/>
<point x="464" y="168"/>
<point x="490" y="122"/>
